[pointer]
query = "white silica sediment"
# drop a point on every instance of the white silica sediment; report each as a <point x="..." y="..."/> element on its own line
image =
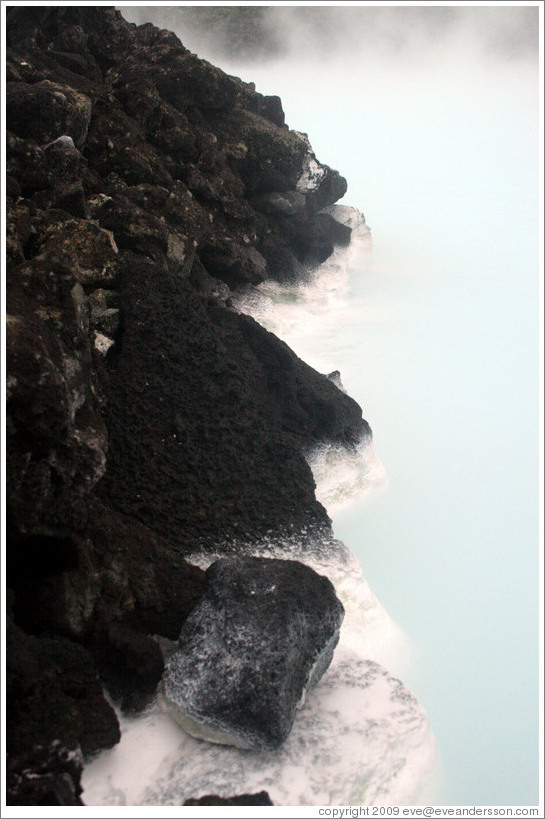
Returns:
<point x="360" y="737"/>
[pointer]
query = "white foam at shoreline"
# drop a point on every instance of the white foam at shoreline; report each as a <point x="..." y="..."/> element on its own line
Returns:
<point x="345" y="476"/>
<point x="360" y="738"/>
<point x="306" y="315"/>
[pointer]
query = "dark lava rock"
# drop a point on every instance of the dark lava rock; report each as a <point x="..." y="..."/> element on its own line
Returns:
<point x="54" y="694"/>
<point x="191" y="81"/>
<point x="115" y="571"/>
<point x="46" y="111"/>
<point x="339" y="234"/>
<point x="268" y="158"/>
<point x="44" y="776"/>
<point x="261" y="798"/>
<point x="232" y="408"/>
<point x="196" y="447"/>
<point x="144" y="418"/>
<point x="286" y="203"/>
<point x="332" y="187"/>
<point x="264" y="632"/>
<point x="56" y="439"/>
<point x="130" y="665"/>
<point x="303" y="403"/>
<point x="232" y="262"/>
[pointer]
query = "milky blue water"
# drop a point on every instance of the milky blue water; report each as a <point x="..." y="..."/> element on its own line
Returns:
<point x="448" y="379"/>
<point x="436" y="335"/>
<point x="444" y="362"/>
<point x="437" y="338"/>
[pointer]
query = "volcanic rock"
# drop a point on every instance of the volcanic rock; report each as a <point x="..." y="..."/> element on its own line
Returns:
<point x="145" y="417"/>
<point x="46" y="111"/>
<point x="44" y="776"/>
<point x="261" y="798"/>
<point x="263" y="634"/>
<point x="55" y="695"/>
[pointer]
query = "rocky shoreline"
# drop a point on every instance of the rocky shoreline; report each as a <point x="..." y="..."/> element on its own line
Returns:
<point x="146" y="418"/>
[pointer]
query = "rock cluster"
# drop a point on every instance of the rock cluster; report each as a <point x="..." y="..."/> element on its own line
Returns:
<point x="144" y="415"/>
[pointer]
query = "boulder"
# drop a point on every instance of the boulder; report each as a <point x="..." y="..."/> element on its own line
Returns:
<point x="56" y="440"/>
<point x="26" y="163"/>
<point x="47" y="110"/>
<point x="67" y="168"/>
<point x="257" y="407"/>
<point x="88" y="250"/>
<point x="306" y="404"/>
<point x="268" y="158"/>
<point x="264" y="632"/>
<point x="190" y="81"/>
<point x="351" y="219"/>
<point x="116" y="571"/>
<point x="306" y="236"/>
<point x="337" y="232"/>
<point x="116" y="143"/>
<point x="332" y="188"/>
<point x="133" y="227"/>
<point x="233" y="263"/>
<point x="282" y="263"/>
<point x="130" y="665"/>
<point x="270" y="107"/>
<point x="321" y="184"/>
<point x="66" y="163"/>
<point x="104" y="313"/>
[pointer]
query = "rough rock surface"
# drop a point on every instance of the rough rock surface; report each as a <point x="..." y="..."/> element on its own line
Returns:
<point x="44" y="776"/>
<point x="263" y="633"/>
<point x="261" y="798"/>
<point x="54" y="695"/>
<point x="144" y="415"/>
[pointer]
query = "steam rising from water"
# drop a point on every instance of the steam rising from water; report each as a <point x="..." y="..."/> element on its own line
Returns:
<point x="318" y="33"/>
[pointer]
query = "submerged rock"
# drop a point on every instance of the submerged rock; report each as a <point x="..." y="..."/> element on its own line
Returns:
<point x="264" y="632"/>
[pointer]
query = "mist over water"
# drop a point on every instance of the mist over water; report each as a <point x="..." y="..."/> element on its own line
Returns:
<point x="432" y="116"/>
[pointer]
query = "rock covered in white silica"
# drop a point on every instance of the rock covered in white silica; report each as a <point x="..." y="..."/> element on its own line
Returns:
<point x="263" y="633"/>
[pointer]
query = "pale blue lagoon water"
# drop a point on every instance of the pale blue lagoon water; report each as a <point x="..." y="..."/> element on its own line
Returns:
<point x="448" y="379"/>
<point x="436" y="334"/>
<point x="444" y="362"/>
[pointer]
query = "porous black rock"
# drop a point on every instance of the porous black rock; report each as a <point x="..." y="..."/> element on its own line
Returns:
<point x="130" y="665"/>
<point x="44" y="776"/>
<point x="264" y="632"/>
<point x="262" y="798"/>
<point x="45" y="111"/>
<point x="54" y="694"/>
